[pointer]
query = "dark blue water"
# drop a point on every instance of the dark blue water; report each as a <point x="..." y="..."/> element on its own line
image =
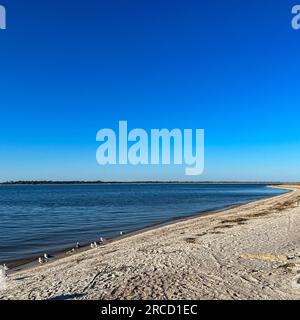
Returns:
<point x="37" y="219"/>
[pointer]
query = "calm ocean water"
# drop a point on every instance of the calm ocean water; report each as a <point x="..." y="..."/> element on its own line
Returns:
<point x="38" y="219"/>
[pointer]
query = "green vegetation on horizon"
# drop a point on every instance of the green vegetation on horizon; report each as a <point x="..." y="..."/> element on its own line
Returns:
<point x="44" y="182"/>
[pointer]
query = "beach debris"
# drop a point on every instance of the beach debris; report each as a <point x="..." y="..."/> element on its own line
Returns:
<point x="290" y="267"/>
<point x="264" y="257"/>
<point x="190" y="240"/>
<point x="291" y="257"/>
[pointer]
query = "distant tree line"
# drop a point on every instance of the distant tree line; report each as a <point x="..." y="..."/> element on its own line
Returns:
<point x="47" y="182"/>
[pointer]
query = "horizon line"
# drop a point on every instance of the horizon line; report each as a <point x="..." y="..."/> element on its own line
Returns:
<point x="44" y="182"/>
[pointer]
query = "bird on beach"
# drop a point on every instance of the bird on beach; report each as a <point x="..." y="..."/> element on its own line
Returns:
<point x="121" y="233"/>
<point x="3" y="273"/>
<point x="71" y="251"/>
<point x="77" y="245"/>
<point x="94" y="245"/>
<point x="4" y="268"/>
<point x="46" y="256"/>
<point x="101" y="239"/>
<point x="41" y="260"/>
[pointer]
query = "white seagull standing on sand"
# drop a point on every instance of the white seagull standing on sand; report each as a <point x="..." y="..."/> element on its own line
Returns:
<point x="3" y="276"/>
<point x="3" y="270"/>
<point x="94" y="245"/>
<point x="41" y="260"/>
<point x="121" y="233"/>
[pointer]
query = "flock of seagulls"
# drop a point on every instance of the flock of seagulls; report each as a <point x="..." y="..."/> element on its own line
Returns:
<point x="45" y="258"/>
<point x="95" y="244"/>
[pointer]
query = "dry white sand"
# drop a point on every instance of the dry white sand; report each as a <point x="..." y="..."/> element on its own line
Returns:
<point x="248" y="252"/>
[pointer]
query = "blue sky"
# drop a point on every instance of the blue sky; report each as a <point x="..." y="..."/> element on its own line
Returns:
<point x="71" y="68"/>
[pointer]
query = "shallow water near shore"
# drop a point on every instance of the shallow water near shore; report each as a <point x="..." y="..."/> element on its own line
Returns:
<point x="49" y="218"/>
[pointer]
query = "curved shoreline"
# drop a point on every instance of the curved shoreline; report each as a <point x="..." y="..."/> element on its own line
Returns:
<point x="248" y="252"/>
<point x="31" y="262"/>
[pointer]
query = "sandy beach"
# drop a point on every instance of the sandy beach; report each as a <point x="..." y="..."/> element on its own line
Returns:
<point x="247" y="252"/>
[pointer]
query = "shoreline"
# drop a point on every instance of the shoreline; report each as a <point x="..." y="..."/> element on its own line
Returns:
<point x="26" y="263"/>
<point x="248" y="252"/>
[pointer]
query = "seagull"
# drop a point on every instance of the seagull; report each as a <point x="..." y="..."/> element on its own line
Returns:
<point x="41" y="260"/>
<point x="46" y="256"/>
<point x="94" y="245"/>
<point x="71" y="251"/>
<point x="101" y="239"/>
<point x="3" y="274"/>
<point x="4" y="268"/>
<point x="77" y="245"/>
<point x="121" y="233"/>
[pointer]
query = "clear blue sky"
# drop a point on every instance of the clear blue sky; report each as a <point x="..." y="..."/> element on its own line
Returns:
<point x="70" y="68"/>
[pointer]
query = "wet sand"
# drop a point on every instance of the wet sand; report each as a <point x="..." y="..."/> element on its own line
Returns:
<point x="247" y="252"/>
